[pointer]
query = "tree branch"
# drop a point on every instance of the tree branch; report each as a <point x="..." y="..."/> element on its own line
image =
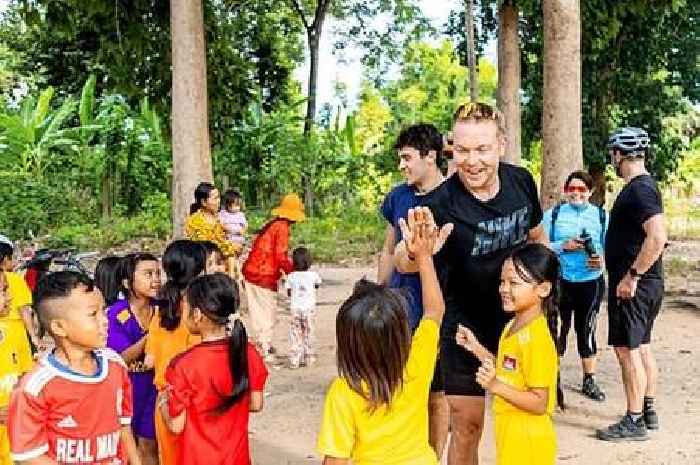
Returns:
<point x="300" y="11"/>
<point x="321" y="10"/>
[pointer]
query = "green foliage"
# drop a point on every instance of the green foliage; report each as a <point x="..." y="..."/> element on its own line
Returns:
<point x="252" y="47"/>
<point x="31" y="134"/>
<point x="639" y="59"/>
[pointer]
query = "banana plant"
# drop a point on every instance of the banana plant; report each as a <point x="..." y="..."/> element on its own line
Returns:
<point x="36" y="131"/>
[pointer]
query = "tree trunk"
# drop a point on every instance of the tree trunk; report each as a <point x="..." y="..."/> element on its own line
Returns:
<point x="509" y="78"/>
<point x="190" y="124"/>
<point x="471" y="51"/>
<point x="562" y="137"/>
<point x="314" y="44"/>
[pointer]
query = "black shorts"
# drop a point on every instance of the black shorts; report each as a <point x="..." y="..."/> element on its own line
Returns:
<point x="630" y="321"/>
<point x="458" y="369"/>
<point x="580" y="301"/>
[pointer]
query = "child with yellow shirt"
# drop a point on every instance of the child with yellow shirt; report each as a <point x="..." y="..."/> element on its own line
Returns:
<point x="376" y="411"/>
<point x="523" y="376"/>
<point x="19" y="315"/>
<point x="12" y="366"/>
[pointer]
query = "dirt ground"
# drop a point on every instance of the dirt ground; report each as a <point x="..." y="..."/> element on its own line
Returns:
<point x="285" y="432"/>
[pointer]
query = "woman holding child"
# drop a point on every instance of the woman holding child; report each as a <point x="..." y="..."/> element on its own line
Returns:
<point x="203" y="224"/>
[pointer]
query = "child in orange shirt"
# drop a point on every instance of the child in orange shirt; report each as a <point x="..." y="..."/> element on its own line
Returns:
<point x="168" y="337"/>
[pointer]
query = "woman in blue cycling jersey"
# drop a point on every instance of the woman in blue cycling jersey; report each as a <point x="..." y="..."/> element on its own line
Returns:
<point x="576" y="230"/>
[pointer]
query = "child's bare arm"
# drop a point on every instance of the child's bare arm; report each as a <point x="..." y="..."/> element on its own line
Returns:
<point x="466" y="339"/>
<point x="174" y="424"/>
<point x="421" y="246"/>
<point x="132" y="452"/>
<point x="533" y="400"/>
<point x="256" y="401"/>
<point x="327" y="460"/>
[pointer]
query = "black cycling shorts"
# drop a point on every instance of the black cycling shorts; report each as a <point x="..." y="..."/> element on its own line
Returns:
<point x="581" y="301"/>
<point x="630" y="321"/>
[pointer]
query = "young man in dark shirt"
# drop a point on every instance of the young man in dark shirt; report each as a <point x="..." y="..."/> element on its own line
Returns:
<point x="494" y="208"/>
<point x="419" y="149"/>
<point x="634" y="244"/>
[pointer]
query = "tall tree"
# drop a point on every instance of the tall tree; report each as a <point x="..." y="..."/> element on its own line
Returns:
<point x="639" y="66"/>
<point x="561" y="115"/>
<point x="314" y="29"/>
<point x="469" y="25"/>
<point x="190" y="124"/>
<point x="509" y="77"/>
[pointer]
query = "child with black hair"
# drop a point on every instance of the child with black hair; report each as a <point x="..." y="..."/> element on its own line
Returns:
<point x="108" y="279"/>
<point x="216" y="263"/>
<point x="232" y="217"/>
<point x="376" y="411"/>
<point x="12" y="367"/>
<point x="183" y="260"/>
<point x="301" y="285"/>
<point x="129" y="320"/>
<point x="75" y="406"/>
<point x="522" y="377"/>
<point x="208" y="406"/>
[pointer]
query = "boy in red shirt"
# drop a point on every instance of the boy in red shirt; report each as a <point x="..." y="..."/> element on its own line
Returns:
<point x="75" y="406"/>
<point x="213" y="387"/>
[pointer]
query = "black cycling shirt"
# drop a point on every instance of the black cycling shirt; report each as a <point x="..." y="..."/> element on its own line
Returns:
<point x="638" y="201"/>
<point x="485" y="233"/>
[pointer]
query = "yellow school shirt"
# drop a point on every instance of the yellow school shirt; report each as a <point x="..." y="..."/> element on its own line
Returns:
<point x="20" y="295"/>
<point x="12" y="366"/>
<point x="526" y="359"/>
<point x="16" y="337"/>
<point x="394" y="435"/>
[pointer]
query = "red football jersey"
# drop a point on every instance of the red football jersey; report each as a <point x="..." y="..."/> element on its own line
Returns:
<point x="197" y="380"/>
<point x="70" y="417"/>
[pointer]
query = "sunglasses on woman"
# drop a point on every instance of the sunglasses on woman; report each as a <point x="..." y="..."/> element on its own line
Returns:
<point x="574" y="189"/>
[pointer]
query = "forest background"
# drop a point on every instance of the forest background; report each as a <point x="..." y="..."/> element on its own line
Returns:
<point x="85" y="107"/>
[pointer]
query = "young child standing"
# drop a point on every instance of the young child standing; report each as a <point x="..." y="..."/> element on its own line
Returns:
<point x="211" y="407"/>
<point x="183" y="260"/>
<point x="301" y="285"/>
<point x="376" y="411"/>
<point x="19" y="316"/>
<point x="12" y="367"/>
<point x="75" y="406"/>
<point x="129" y="320"/>
<point x="523" y="376"/>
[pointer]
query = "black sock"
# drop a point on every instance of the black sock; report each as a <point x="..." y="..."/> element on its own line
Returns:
<point x="635" y="416"/>
<point x="587" y="376"/>
<point x="648" y="404"/>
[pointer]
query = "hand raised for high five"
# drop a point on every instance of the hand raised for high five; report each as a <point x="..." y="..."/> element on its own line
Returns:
<point x="421" y="218"/>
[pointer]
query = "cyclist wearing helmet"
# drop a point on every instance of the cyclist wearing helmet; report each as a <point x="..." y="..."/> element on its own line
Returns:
<point x="634" y="244"/>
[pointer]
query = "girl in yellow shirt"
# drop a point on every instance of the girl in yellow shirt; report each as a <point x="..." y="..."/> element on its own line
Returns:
<point x="523" y="376"/>
<point x="376" y="410"/>
<point x="12" y="363"/>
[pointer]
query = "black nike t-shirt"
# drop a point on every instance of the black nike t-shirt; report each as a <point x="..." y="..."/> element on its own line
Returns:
<point x="638" y="201"/>
<point x="484" y="235"/>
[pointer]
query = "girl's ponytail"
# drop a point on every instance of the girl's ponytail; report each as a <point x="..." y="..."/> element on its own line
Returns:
<point x="238" y="363"/>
